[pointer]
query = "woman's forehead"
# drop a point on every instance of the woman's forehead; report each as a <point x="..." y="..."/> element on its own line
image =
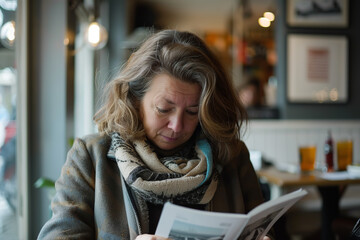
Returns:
<point x="171" y="89"/>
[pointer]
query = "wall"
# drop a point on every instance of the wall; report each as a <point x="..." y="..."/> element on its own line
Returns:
<point x="196" y="16"/>
<point x="47" y="102"/>
<point x="349" y="110"/>
<point x="119" y="14"/>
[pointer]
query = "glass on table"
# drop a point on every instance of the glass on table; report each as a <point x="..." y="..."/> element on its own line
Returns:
<point x="307" y="158"/>
<point x="344" y="150"/>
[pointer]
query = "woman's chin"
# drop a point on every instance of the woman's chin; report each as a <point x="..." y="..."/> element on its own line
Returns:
<point x="167" y="146"/>
<point x="166" y="143"/>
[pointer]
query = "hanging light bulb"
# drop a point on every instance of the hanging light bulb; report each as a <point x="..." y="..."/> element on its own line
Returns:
<point x="270" y="16"/>
<point x="7" y="34"/>
<point x="264" y="22"/>
<point x="96" y="35"/>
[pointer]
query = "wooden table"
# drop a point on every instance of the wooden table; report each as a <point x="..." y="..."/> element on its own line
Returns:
<point x="330" y="191"/>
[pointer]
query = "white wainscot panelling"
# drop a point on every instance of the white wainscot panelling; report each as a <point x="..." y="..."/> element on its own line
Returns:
<point x="279" y="140"/>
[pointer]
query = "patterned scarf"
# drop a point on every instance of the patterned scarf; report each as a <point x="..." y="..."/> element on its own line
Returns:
<point x="178" y="179"/>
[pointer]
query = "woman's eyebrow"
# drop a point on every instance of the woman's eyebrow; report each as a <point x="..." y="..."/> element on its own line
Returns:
<point x="195" y="105"/>
<point x="171" y="102"/>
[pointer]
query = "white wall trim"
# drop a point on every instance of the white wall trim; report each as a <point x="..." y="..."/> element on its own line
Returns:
<point x="22" y="117"/>
<point x="301" y="124"/>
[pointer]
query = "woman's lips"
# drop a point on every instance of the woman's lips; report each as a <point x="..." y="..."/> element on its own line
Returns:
<point x="169" y="139"/>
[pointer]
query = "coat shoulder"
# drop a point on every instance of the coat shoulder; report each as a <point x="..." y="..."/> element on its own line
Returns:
<point x="96" y="141"/>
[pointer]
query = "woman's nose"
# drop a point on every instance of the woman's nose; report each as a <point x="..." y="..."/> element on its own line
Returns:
<point x="176" y="122"/>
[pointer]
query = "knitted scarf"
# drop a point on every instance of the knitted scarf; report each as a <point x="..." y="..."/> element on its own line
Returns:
<point x="159" y="179"/>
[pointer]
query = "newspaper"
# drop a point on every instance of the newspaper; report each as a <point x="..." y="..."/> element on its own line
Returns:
<point x="181" y="223"/>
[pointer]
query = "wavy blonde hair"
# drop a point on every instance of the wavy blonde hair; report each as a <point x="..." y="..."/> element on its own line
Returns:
<point x="186" y="57"/>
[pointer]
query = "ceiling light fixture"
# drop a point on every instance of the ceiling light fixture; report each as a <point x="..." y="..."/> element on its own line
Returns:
<point x="96" y="35"/>
<point x="270" y="16"/>
<point x="264" y="22"/>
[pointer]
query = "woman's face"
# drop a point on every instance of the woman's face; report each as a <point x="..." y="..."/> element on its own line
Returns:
<point x="169" y="111"/>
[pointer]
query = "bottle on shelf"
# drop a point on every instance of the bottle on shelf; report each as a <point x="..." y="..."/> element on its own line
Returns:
<point x="329" y="153"/>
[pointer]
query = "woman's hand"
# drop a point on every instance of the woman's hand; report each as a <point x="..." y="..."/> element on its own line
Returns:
<point x="151" y="237"/>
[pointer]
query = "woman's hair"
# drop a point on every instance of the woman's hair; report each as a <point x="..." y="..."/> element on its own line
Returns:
<point x="186" y="57"/>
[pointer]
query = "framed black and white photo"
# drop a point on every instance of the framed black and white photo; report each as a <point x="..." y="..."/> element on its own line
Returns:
<point x="317" y="13"/>
<point x="317" y="68"/>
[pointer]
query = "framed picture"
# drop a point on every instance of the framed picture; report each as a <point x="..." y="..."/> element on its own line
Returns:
<point x="317" y="13"/>
<point x="317" y="68"/>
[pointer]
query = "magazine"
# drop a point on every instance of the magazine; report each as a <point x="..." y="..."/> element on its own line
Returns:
<point x="182" y="223"/>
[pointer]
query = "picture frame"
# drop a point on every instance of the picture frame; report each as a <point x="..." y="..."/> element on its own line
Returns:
<point x="318" y="13"/>
<point x="317" y="68"/>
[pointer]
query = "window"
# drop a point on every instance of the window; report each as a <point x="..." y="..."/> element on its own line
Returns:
<point x="8" y="136"/>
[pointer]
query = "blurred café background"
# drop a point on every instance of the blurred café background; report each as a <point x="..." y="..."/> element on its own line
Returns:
<point x="294" y="63"/>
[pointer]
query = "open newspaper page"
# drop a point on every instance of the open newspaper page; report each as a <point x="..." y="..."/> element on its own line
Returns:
<point x="264" y="216"/>
<point x="178" y="223"/>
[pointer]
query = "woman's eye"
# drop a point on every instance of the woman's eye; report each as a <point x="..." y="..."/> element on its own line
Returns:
<point x="161" y="110"/>
<point x="193" y="113"/>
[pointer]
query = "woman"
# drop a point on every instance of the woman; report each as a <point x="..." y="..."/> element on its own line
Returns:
<point x="169" y="131"/>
